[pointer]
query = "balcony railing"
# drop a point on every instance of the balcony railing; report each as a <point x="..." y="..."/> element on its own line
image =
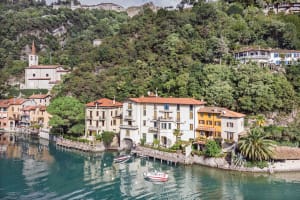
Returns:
<point x="129" y="127"/>
<point x="128" y="117"/>
<point x="153" y="129"/>
<point x="165" y="119"/>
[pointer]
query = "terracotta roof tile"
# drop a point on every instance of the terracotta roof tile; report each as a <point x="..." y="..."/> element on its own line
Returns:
<point x="39" y="96"/>
<point x="169" y="100"/>
<point x="4" y="103"/>
<point x="224" y="112"/>
<point x="104" y="102"/>
<point x="16" y="101"/>
<point x="44" y="67"/>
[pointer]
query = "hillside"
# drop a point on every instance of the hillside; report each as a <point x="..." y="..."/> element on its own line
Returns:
<point x="181" y="53"/>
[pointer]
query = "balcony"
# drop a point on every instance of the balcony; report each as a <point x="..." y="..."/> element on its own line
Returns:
<point x="3" y="115"/>
<point x="206" y="128"/>
<point x="93" y="128"/>
<point x="153" y="129"/>
<point x="128" y="118"/>
<point x="166" y="111"/>
<point x="131" y="127"/>
<point x="165" y="119"/>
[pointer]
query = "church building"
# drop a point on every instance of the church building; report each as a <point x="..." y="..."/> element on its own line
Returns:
<point x="41" y="76"/>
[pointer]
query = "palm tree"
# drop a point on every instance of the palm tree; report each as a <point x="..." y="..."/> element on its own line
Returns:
<point x="255" y="146"/>
<point x="177" y="134"/>
<point x="260" y="120"/>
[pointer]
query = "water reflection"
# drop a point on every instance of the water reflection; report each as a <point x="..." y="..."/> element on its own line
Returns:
<point x="36" y="170"/>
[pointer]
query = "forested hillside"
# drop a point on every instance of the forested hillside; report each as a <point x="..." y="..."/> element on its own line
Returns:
<point x="181" y="53"/>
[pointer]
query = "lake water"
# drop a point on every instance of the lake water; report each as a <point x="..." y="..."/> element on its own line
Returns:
<point x="127" y="3"/>
<point x="36" y="170"/>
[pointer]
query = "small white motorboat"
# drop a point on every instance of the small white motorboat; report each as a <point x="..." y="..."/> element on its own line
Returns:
<point x="122" y="158"/>
<point x="156" y="176"/>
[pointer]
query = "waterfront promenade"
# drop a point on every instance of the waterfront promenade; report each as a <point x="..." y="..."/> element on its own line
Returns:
<point x="86" y="147"/>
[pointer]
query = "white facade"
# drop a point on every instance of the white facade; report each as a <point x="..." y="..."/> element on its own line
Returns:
<point x="268" y="56"/>
<point x="102" y="115"/>
<point x="158" y="120"/>
<point x="41" y="76"/>
<point x="232" y="127"/>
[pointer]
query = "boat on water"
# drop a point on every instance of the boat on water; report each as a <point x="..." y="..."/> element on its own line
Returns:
<point x="122" y="158"/>
<point x="156" y="176"/>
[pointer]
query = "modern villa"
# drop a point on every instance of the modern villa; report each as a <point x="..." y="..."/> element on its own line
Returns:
<point x="267" y="57"/>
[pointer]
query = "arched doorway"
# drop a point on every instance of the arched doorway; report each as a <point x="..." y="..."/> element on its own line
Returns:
<point x="127" y="143"/>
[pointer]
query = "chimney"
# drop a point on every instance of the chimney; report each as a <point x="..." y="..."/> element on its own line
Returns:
<point x="114" y="101"/>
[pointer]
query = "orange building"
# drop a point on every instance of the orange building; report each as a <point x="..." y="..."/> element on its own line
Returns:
<point x="216" y="122"/>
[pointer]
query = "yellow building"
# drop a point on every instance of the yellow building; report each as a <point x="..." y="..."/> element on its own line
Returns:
<point x="216" y="122"/>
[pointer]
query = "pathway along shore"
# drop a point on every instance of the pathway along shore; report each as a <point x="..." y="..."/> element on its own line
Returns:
<point x="179" y="158"/>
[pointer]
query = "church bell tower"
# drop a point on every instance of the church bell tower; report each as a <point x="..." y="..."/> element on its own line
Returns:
<point x="33" y="58"/>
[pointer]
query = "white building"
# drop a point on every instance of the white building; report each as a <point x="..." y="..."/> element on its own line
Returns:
<point x="102" y="115"/>
<point x="268" y="56"/>
<point x="41" y="76"/>
<point x="154" y="117"/>
<point x="41" y="99"/>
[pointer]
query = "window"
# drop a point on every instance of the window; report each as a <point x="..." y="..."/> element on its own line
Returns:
<point x="97" y="113"/>
<point x="178" y="126"/>
<point x="155" y="124"/>
<point x="170" y="125"/>
<point x="144" y="122"/>
<point x="47" y="75"/>
<point x="191" y="127"/>
<point x="209" y="115"/>
<point x="127" y="133"/>
<point x="229" y="135"/>
<point x="102" y="123"/>
<point x="178" y="107"/>
<point x="217" y="123"/>
<point x="178" y="116"/>
<point x="13" y="109"/>
<point x="129" y="123"/>
<point x="115" y="122"/>
<point x="103" y="114"/>
<point x="144" y="112"/>
<point x="129" y="105"/>
<point x="111" y="113"/>
<point x="202" y="122"/>
<point x="90" y="122"/>
<point x="155" y="115"/>
<point x="116" y="113"/>
<point x="276" y="55"/>
<point x="33" y="75"/>
<point x="208" y="122"/>
<point x="191" y="107"/>
<point x="144" y="136"/>
<point x="111" y="122"/>
<point x="97" y="123"/>
<point x="229" y="124"/>
<point x="129" y="113"/>
<point x="155" y="107"/>
<point x="166" y="106"/>
<point x="163" y="125"/>
<point x="191" y="115"/>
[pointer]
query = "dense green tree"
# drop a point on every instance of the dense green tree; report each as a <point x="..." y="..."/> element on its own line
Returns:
<point x="212" y="149"/>
<point x="67" y="115"/>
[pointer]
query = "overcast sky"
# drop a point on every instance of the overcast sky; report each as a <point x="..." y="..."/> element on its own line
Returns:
<point x="127" y="3"/>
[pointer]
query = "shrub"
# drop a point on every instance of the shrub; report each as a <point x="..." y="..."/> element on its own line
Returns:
<point x="212" y="149"/>
<point x="107" y="137"/>
<point x="143" y="140"/>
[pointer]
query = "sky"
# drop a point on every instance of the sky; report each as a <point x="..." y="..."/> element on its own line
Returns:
<point x="127" y="3"/>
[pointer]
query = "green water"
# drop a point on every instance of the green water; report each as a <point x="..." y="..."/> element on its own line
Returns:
<point x="31" y="170"/>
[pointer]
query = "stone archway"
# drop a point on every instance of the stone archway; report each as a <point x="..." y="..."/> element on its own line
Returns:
<point x="127" y="143"/>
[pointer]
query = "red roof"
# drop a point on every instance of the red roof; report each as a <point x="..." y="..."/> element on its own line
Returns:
<point x="169" y="100"/>
<point x="39" y="96"/>
<point x="4" y="103"/>
<point x="224" y="112"/>
<point x="29" y="108"/>
<point x="44" y="66"/>
<point x="104" y="102"/>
